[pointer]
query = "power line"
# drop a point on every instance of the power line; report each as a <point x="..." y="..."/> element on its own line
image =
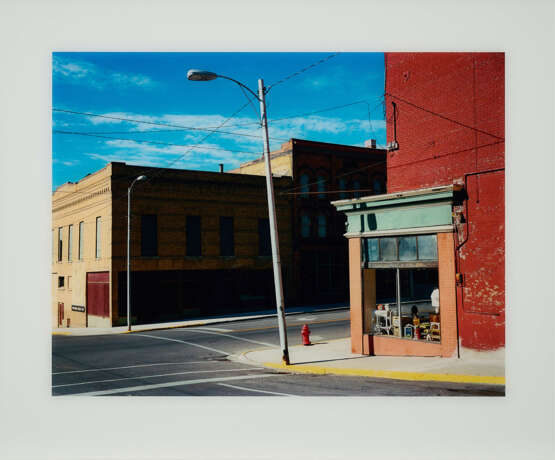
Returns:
<point x="283" y="80"/>
<point x="179" y="127"/>
<point x="443" y="116"/>
<point x="194" y="146"/>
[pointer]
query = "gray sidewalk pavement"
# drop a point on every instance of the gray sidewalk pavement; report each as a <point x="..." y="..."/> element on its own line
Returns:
<point x="335" y="357"/>
<point x="86" y="331"/>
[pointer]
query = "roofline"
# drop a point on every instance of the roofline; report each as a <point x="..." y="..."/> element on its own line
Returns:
<point x="394" y="196"/>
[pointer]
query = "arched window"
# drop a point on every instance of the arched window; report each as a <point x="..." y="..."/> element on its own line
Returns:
<point x="322" y="226"/>
<point x="304" y="185"/>
<point x="305" y="226"/>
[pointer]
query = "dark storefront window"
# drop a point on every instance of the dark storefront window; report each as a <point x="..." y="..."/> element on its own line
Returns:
<point x="227" y="243"/>
<point x="193" y="246"/>
<point x="149" y="235"/>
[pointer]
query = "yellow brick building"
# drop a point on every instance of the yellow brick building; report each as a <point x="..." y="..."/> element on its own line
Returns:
<point x="199" y="245"/>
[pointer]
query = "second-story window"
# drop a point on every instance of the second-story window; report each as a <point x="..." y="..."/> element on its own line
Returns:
<point x="193" y="236"/>
<point x="264" y="243"/>
<point x="149" y="235"/>
<point x="356" y="188"/>
<point x="342" y="188"/>
<point x="304" y="185"/>
<point x="377" y="186"/>
<point x="70" y="243"/>
<point x="60" y="244"/>
<point x="227" y="241"/>
<point x="98" y="238"/>
<point x="81" y="236"/>
<point x="305" y="226"/>
<point x="321" y="181"/>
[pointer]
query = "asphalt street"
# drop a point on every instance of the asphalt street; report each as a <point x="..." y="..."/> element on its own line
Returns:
<point x="194" y="361"/>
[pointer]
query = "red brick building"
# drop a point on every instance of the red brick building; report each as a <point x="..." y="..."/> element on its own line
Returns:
<point x="447" y="113"/>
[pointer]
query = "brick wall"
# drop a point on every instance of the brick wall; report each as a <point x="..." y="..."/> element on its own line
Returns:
<point x="450" y="128"/>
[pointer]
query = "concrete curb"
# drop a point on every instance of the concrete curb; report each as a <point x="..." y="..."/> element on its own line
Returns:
<point x="203" y="323"/>
<point x="395" y="375"/>
<point x="371" y="373"/>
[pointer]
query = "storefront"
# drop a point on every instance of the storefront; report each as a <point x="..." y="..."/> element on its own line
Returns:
<point x="402" y="273"/>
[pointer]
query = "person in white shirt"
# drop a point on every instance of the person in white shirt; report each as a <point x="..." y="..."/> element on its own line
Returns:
<point x="435" y="300"/>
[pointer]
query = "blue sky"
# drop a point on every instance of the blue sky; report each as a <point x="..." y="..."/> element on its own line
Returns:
<point x="152" y="87"/>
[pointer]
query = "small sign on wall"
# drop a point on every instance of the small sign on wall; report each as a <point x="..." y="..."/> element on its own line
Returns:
<point x="78" y="308"/>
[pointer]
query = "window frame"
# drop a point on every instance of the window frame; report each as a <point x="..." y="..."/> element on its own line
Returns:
<point x="98" y="238"/>
<point x="70" y="243"/>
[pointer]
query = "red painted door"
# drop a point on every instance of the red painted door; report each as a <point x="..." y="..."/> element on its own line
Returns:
<point x="98" y="294"/>
<point x="60" y="313"/>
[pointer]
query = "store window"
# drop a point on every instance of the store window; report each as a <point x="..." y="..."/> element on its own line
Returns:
<point x="406" y="287"/>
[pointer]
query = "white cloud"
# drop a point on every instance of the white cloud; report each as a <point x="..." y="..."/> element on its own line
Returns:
<point x="85" y="73"/>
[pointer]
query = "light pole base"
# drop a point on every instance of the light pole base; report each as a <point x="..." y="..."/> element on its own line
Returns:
<point x="285" y="358"/>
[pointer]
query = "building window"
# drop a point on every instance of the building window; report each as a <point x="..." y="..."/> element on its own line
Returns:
<point x="407" y="304"/>
<point x="60" y="282"/>
<point x="98" y="239"/>
<point x="400" y="248"/>
<point x="356" y="188"/>
<point x="342" y="188"/>
<point x="322" y="226"/>
<point x="305" y="226"/>
<point x="193" y="246"/>
<point x="321" y="184"/>
<point x="304" y="185"/>
<point x="149" y="235"/>
<point x="81" y="235"/>
<point x="60" y="244"/>
<point x="70" y="243"/>
<point x="227" y="243"/>
<point x="377" y="186"/>
<point x="264" y="243"/>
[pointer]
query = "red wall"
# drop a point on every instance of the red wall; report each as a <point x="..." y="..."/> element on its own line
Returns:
<point x="450" y="128"/>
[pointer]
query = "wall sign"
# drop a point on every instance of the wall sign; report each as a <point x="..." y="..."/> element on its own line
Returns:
<point x="78" y="308"/>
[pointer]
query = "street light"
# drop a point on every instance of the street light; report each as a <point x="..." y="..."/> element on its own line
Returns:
<point x="203" y="75"/>
<point x="129" y="190"/>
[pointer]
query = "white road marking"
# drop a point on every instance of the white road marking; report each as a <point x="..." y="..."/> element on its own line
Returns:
<point x="216" y="329"/>
<point x="170" y="384"/>
<point x="127" y="367"/>
<point x="305" y="318"/>
<point x="256" y="391"/>
<point x="236" y="338"/>
<point x="152" y="376"/>
<point x="186" y="343"/>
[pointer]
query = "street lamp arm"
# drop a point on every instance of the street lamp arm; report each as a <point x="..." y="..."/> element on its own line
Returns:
<point x="241" y="85"/>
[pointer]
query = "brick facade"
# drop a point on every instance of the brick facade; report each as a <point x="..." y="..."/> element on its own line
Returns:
<point x="450" y="122"/>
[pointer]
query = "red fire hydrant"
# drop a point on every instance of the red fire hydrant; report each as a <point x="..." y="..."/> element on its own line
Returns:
<point x="305" y="333"/>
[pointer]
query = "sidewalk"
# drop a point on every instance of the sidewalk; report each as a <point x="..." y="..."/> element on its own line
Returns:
<point x="335" y="357"/>
<point x="86" y="331"/>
